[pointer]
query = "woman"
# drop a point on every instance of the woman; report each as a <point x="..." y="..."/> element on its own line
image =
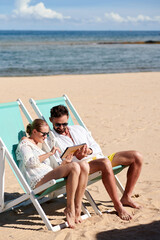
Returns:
<point x="34" y="165"/>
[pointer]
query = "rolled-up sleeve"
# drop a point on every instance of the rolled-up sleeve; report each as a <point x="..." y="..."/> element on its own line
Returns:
<point x="93" y="144"/>
<point x="85" y="136"/>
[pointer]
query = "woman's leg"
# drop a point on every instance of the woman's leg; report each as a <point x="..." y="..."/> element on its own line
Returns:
<point x="83" y="179"/>
<point x="72" y="172"/>
<point x="71" y="188"/>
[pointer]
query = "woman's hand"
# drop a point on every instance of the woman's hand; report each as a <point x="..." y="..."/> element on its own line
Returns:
<point x="54" y="149"/>
<point x="43" y="157"/>
<point x="67" y="159"/>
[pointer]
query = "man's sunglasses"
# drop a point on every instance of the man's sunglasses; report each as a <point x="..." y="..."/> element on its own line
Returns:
<point x="59" y="124"/>
<point x="44" y="133"/>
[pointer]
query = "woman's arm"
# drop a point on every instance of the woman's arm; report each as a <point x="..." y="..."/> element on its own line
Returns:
<point x="32" y="160"/>
<point x="47" y="155"/>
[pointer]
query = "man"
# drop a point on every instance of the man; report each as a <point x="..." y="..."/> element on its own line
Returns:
<point x="73" y="135"/>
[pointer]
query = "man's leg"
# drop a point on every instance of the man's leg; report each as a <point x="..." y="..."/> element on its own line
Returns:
<point x="134" y="160"/>
<point x="108" y="179"/>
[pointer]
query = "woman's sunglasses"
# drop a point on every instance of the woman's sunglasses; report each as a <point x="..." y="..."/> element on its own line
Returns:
<point x="44" y="133"/>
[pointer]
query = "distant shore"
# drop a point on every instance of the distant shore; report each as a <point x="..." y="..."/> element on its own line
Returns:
<point x="130" y="42"/>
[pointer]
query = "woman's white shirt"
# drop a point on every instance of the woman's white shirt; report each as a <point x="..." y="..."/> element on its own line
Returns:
<point x="33" y="170"/>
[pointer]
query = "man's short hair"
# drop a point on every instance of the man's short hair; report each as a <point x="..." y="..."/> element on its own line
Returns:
<point x="59" y="111"/>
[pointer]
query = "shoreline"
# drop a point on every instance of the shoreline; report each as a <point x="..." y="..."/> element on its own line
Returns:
<point x="83" y="74"/>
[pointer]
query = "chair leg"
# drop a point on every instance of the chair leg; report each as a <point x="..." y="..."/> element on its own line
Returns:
<point x="2" y="173"/>
<point x="45" y="219"/>
<point x="92" y="202"/>
<point x="85" y="211"/>
<point x="41" y="212"/>
<point x="65" y="224"/>
<point x="119" y="185"/>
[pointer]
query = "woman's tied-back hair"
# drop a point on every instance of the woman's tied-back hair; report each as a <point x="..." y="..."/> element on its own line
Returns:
<point x="36" y="124"/>
<point x="59" y="111"/>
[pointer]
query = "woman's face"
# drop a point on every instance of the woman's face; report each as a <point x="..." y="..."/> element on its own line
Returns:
<point x="41" y="135"/>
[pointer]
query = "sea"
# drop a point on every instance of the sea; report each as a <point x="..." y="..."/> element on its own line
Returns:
<point x="38" y="53"/>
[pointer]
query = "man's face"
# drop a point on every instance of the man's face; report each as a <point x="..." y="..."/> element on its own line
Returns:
<point x="60" y="124"/>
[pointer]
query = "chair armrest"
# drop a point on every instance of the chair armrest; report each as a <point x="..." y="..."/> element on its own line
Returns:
<point x="44" y="186"/>
<point x="48" y="185"/>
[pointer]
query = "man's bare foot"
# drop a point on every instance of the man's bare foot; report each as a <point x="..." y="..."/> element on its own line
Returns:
<point x="127" y="201"/>
<point x="70" y="217"/>
<point x="78" y="218"/>
<point x="122" y="213"/>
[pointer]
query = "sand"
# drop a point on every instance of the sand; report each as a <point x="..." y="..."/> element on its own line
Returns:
<point x="122" y="112"/>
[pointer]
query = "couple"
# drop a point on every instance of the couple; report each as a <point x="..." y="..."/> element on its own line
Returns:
<point x="34" y="164"/>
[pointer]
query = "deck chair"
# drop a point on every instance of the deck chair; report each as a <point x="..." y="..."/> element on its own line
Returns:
<point x="11" y="131"/>
<point x="42" y="109"/>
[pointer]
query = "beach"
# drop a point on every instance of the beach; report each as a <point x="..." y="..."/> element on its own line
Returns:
<point x="122" y="112"/>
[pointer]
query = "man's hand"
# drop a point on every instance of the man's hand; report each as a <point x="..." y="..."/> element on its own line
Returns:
<point x="82" y="152"/>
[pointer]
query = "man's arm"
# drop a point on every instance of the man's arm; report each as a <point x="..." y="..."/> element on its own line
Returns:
<point x="93" y="147"/>
<point x="90" y="148"/>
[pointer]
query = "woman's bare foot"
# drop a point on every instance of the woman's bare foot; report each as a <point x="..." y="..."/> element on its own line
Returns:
<point x="78" y="218"/>
<point x="70" y="217"/>
<point x="122" y="213"/>
<point x="127" y="201"/>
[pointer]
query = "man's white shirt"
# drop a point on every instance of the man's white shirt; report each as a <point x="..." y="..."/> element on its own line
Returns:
<point x="79" y="135"/>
